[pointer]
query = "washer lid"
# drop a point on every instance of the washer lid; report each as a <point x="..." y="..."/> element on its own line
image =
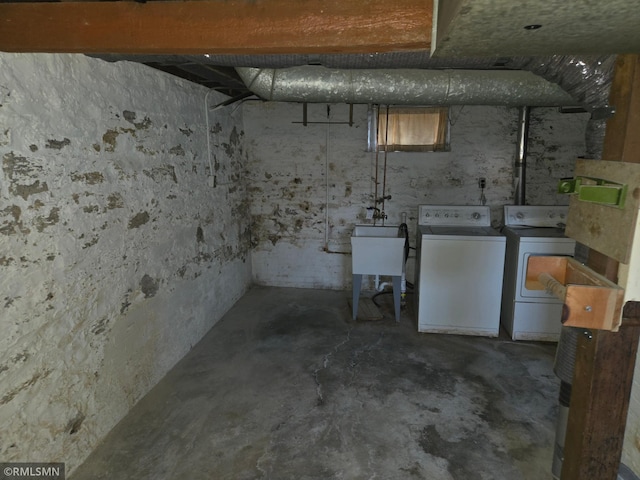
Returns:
<point x="535" y="232"/>
<point x="459" y="231"/>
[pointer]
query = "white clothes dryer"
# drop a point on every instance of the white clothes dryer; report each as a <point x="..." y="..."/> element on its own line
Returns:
<point x="532" y="230"/>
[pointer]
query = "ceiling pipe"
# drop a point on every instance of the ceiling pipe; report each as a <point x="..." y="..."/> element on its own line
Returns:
<point x="520" y="169"/>
<point x="314" y="84"/>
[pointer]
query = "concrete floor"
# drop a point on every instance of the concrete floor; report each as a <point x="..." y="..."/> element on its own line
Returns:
<point x="287" y="386"/>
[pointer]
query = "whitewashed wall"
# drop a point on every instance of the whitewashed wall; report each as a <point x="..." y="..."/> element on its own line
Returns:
<point x="115" y="254"/>
<point x="310" y="185"/>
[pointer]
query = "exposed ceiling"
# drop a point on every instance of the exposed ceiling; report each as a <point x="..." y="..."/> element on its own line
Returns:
<point x="469" y="28"/>
<point x="204" y="40"/>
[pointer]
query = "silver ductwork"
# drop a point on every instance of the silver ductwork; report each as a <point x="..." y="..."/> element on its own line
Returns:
<point x="520" y="170"/>
<point x="314" y="84"/>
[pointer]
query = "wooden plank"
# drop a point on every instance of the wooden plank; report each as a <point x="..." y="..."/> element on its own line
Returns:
<point x="556" y="266"/>
<point x="607" y="229"/>
<point x="599" y="403"/>
<point x="631" y="313"/>
<point x="605" y="361"/>
<point x="593" y="307"/>
<point x="622" y="142"/>
<point x="217" y="27"/>
<point x="590" y="300"/>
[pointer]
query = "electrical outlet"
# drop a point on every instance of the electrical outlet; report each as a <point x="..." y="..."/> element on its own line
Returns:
<point x="482" y="183"/>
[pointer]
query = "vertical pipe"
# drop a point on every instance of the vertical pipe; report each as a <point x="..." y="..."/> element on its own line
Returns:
<point x="520" y="170"/>
<point x="377" y="147"/>
<point x="384" y="178"/>
<point x="326" y="180"/>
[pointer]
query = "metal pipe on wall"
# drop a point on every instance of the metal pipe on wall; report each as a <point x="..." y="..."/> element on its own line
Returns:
<point x="520" y="168"/>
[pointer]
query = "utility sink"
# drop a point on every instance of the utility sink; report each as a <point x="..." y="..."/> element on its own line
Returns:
<point x="377" y="250"/>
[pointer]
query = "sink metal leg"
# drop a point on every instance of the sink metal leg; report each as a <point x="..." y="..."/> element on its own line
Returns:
<point x="357" y="283"/>
<point x="396" y="295"/>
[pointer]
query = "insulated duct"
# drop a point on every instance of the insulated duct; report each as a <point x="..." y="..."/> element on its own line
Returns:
<point x="315" y="84"/>
<point x="587" y="78"/>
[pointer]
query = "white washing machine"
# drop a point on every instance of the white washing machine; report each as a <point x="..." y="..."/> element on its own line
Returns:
<point x="532" y="230"/>
<point x="459" y="270"/>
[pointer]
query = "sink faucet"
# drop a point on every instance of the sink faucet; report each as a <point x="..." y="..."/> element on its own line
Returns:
<point x="379" y="214"/>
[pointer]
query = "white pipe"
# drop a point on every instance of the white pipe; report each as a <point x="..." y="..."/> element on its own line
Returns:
<point x="380" y="286"/>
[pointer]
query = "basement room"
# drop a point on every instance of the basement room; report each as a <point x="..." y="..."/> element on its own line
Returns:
<point x="329" y="240"/>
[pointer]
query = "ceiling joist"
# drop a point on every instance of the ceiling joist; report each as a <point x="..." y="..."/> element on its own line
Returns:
<point x="216" y="26"/>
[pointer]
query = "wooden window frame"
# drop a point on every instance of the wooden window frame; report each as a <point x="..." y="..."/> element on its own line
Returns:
<point x="403" y="138"/>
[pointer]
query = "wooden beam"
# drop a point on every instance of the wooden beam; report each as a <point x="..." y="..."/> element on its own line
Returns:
<point x="622" y="142"/>
<point x="217" y="26"/>
<point x="605" y="361"/>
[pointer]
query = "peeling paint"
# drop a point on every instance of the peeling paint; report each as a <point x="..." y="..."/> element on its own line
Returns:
<point x="100" y="327"/>
<point x="16" y="165"/>
<point x="90" y="178"/>
<point x="43" y="222"/>
<point x="110" y="140"/>
<point x="115" y="200"/>
<point x="11" y="394"/>
<point x="57" y="144"/>
<point x="159" y="174"/>
<point x="25" y="191"/>
<point x="138" y="220"/>
<point x="289" y="190"/>
<point x="91" y="208"/>
<point x="86" y="293"/>
<point x="177" y="150"/>
<point x="21" y="357"/>
<point x="6" y="261"/>
<point x="131" y="116"/>
<point x="91" y="242"/>
<point x="126" y="304"/>
<point x="75" y="423"/>
<point x="12" y="227"/>
<point x="149" y="286"/>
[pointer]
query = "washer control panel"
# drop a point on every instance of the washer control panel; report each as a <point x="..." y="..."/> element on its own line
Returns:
<point x="455" y="216"/>
<point x="536" y="215"/>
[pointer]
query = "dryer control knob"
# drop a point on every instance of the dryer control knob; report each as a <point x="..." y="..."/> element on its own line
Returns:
<point x="476" y="215"/>
<point x="519" y="215"/>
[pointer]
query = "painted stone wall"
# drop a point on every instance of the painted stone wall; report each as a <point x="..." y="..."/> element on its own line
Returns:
<point x="310" y="185"/>
<point x="116" y="254"/>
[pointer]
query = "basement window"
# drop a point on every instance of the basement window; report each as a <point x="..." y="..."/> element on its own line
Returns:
<point x="409" y="129"/>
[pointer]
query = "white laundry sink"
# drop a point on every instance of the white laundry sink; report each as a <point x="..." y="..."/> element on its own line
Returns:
<point x="377" y="250"/>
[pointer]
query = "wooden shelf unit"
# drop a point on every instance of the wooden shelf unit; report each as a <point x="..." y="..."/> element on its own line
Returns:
<point x="590" y="300"/>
